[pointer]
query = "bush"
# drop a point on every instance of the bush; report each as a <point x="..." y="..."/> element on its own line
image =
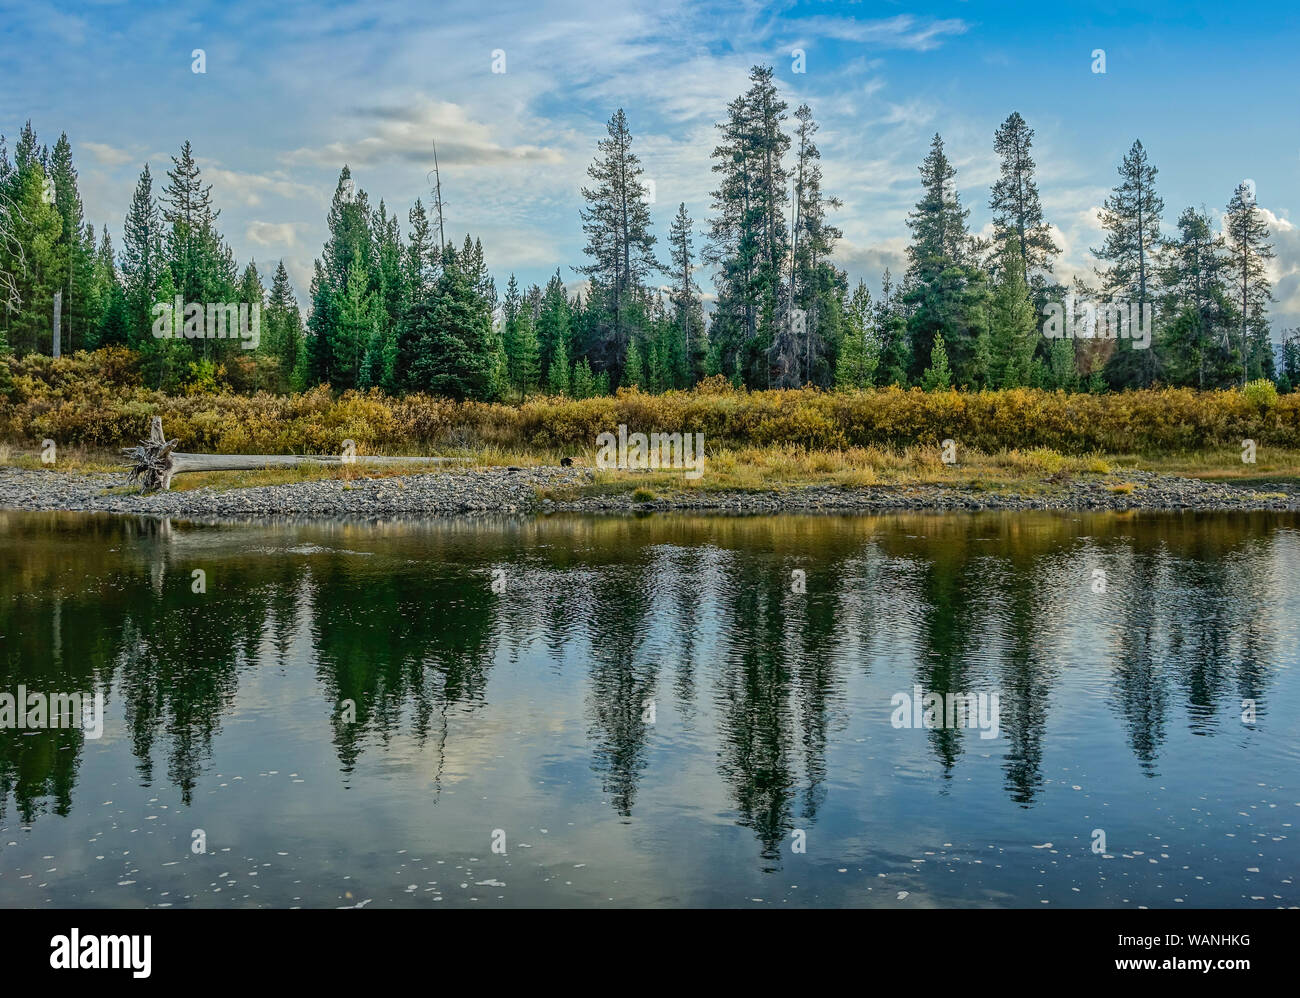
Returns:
<point x="1262" y="393"/>
<point x="97" y="400"/>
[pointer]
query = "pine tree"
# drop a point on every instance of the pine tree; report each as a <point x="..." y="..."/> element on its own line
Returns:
<point x="31" y="255"/>
<point x="202" y="265"/>
<point x="142" y="255"/>
<point x="553" y="332"/>
<point x="938" y="223"/>
<point x="473" y="265"/>
<point x="670" y="367"/>
<point x="76" y="265"/>
<point x="511" y="306"/>
<point x="191" y="243"/>
<point x="816" y="286"/>
<point x="557" y="372"/>
<point x="947" y="294"/>
<point x="527" y="361"/>
<point x="1013" y="324"/>
<point x="1062" y="370"/>
<point x="448" y="337"/>
<point x="90" y="288"/>
<point x="379" y="364"/>
<point x="616" y="220"/>
<point x="584" y="382"/>
<point x="1247" y="239"/>
<point x="389" y="276"/>
<point x="114" y="324"/>
<point x="937" y="375"/>
<point x="1194" y="339"/>
<point x="164" y="361"/>
<point x="1131" y="218"/>
<point x="282" y="327"/>
<point x="1290" y="374"/>
<point x="360" y="321"/>
<point x="519" y="340"/>
<point x="748" y="236"/>
<point x="859" y="353"/>
<point x="688" y="314"/>
<point x="1017" y="212"/>
<point x="251" y="291"/>
<point x="420" y="262"/>
<point x="333" y="354"/>
<point x="891" y="328"/>
<point x="982" y="363"/>
<point x="633" y="369"/>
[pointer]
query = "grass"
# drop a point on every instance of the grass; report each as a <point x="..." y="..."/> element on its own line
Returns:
<point x="763" y="469"/>
<point x="1225" y="464"/>
<point x="769" y="469"/>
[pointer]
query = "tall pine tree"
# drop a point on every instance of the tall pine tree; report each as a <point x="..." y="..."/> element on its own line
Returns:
<point x="1249" y="249"/>
<point x="1131" y="218"/>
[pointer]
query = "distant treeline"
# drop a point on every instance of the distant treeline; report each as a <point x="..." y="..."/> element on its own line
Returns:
<point x="406" y="312"/>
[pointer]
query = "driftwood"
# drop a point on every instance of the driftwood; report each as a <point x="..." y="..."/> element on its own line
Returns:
<point x="156" y="462"/>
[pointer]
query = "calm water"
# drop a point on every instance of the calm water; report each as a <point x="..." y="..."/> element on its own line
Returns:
<point x="650" y="715"/>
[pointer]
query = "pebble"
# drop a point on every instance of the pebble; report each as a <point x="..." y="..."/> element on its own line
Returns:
<point x="515" y="490"/>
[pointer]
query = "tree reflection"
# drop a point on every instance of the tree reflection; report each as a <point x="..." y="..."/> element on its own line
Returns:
<point x="401" y="620"/>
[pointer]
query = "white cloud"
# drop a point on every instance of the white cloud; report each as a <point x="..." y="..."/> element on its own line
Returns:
<point x="106" y="154"/>
<point x="902" y="31"/>
<point x="249" y="188"/>
<point x="273" y="233"/>
<point x="406" y="134"/>
<point x="1284" y="271"/>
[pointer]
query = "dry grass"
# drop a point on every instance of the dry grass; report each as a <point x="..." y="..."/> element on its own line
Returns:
<point x="759" y="469"/>
<point x="767" y="469"/>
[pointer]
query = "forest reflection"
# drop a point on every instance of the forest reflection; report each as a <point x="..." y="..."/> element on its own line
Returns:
<point x="700" y="613"/>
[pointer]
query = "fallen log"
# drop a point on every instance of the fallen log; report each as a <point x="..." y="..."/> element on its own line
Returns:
<point x="156" y="461"/>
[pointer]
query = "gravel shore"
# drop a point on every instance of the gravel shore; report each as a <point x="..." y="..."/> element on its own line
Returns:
<point x="505" y="490"/>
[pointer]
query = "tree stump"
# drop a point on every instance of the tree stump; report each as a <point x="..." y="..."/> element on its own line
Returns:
<point x="154" y="466"/>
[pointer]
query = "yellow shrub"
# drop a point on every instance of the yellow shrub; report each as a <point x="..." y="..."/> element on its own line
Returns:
<point x="97" y="400"/>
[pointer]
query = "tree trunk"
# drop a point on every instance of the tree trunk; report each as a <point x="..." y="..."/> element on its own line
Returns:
<point x="156" y="463"/>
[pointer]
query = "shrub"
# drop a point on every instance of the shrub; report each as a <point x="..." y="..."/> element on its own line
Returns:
<point x="1262" y="393"/>
<point x="97" y="400"/>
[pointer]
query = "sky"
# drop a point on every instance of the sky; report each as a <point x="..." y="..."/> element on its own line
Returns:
<point x="294" y="90"/>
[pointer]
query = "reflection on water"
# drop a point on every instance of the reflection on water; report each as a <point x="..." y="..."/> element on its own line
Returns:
<point x="654" y="710"/>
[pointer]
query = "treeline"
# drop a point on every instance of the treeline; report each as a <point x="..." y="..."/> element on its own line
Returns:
<point x="413" y="312"/>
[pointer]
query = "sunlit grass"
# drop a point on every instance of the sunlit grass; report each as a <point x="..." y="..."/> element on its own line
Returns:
<point x="1224" y="464"/>
<point x="767" y="469"/>
<point x="80" y="460"/>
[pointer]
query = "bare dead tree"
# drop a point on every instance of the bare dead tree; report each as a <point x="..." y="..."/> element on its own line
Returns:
<point x="437" y="200"/>
<point x="156" y="461"/>
<point x="10" y="246"/>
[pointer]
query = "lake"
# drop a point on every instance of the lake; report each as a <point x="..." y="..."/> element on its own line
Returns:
<point x="658" y="711"/>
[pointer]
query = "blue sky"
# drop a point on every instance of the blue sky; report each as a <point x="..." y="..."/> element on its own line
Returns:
<point x="294" y="90"/>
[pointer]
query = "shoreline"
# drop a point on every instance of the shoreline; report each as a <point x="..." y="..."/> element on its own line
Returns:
<point x="515" y="491"/>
